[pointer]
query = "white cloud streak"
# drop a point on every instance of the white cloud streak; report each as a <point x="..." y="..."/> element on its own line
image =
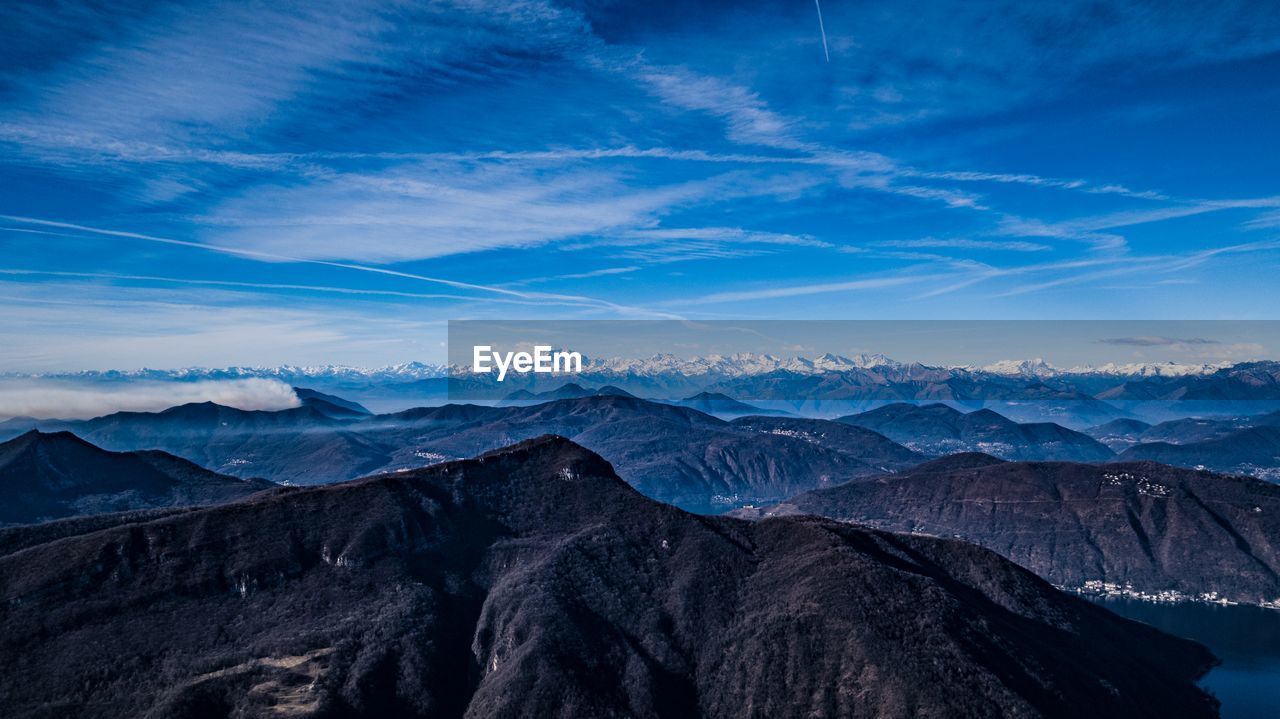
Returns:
<point x="571" y="300"/>
<point x="770" y="293"/>
<point x="279" y="286"/>
<point x="965" y="244"/>
<point x="46" y="398"/>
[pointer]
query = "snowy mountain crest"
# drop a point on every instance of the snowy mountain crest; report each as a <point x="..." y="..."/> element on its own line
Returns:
<point x="741" y="364"/>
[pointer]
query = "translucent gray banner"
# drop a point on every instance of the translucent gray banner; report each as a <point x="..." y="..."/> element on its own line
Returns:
<point x="854" y="362"/>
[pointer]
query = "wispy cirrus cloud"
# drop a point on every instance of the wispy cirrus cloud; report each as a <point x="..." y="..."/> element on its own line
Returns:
<point x="68" y="326"/>
<point x="748" y="118"/>
<point x="1152" y="341"/>
<point x="965" y="244"/>
<point x="1095" y="230"/>
<point x="430" y="211"/>
<point x="602" y="272"/>
<point x="397" y="214"/>
<point x="1199" y="349"/>
<point x="815" y="288"/>
<point x="1265" y="221"/>
<point x="666" y="245"/>
<point x="460" y="157"/>
<point x="1147" y="266"/>
<point x="188" y="72"/>
<point x="530" y="301"/>
<point x="731" y="235"/>
<point x="483" y="291"/>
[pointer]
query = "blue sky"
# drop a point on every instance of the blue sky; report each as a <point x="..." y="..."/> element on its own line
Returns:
<point x="265" y="183"/>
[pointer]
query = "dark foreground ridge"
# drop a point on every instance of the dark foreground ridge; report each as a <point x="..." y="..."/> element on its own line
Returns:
<point x="531" y="581"/>
<point x="1160" y="531"/>
<point x="56" y="475"/>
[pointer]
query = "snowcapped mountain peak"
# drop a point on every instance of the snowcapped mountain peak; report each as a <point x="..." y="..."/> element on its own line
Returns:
<point x="1150" y="369"/>
<point x="286" y="373"/>
<point x="740" y="364"/>
<point x="1036" y="367"/>
<point x="865" y="360"/>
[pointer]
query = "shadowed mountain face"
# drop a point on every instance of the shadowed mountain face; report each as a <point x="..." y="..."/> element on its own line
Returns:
<point x="671" y="453"/>
<point x="1156" y="528"/>
<point x="1119" y="434"/>
<point x="864" y="444"/>
<point x="1122" y="434"/>
<point x="572" y="390"/>
<point x="51" y="476"/>
<point x="722" y="405"/>
<point x="533" y="582"/>
<point x="1254" y="451"/>
<point x="939" y="429"/>
<point x="303" y="443"/>
<point x="331" y="405"/>
<point x="1191" y="429"/>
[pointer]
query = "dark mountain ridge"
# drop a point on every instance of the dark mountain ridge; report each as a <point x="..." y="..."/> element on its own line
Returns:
<point x="331" y="405"/>
<point x="864" y="444"/>
<point x="571" y="390"/>
<point x="1254" y="451"/>
<point x="722" y="405"/>
<point x="672" y="453"/>
<point x="1247" y="444"/>
<point x="51" y="476"/>
<point x="284" y="446"/>
<point x="533" y="582"/>
<point x="1161" y="531"/>
<point x="1119" y="434"/>
<point x="940" y="429"/>
<point x="1193" y="429"/>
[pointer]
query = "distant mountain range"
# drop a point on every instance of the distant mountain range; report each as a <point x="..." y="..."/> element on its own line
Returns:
<point x="939" y="429"/>
<point x="734" y="365"/>
<point x="54" y="476"/>
<point x="1238" y="445"/>
<point x="572" y="390"/>
<point x="283" y="446"/>
<point x="671" y="452"/>
<point x="1136" y="528"/>
<point x="1039" y="368"/>
<point x="1120" y="434"/>
<point x="292" y="374"/>
<point x="829" y="385"/>
<point x="533" y="582"/>
<point x="869" y="447"/>
<point x="1253" y="450"/>
<point x="722" y="405"/>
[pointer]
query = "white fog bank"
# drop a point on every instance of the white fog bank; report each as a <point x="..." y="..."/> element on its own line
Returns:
<point x="63" y="399"/>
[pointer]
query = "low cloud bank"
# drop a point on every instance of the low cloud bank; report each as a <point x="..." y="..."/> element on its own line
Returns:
<point x="63" y="399"/>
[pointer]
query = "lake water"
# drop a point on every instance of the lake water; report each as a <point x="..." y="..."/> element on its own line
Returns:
<point x="1247" y="639"/>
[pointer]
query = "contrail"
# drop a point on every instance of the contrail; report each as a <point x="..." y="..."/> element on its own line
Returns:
<point x="572" y="300"/>
<point x="823" y="30"/>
